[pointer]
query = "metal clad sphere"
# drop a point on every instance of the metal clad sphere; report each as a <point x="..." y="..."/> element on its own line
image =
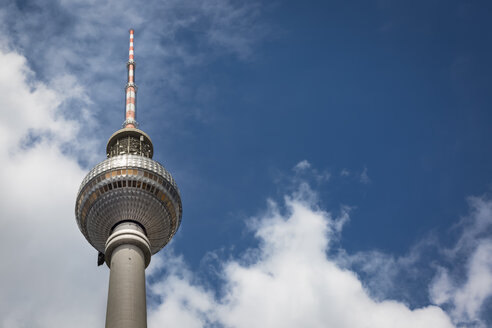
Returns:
<point x="128" y="188"/>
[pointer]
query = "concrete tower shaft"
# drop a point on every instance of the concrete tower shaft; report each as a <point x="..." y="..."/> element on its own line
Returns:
<point x="129" y="252"/>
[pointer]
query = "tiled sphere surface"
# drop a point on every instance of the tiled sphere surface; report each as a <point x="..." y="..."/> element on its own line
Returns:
<point x="128" y="188"/>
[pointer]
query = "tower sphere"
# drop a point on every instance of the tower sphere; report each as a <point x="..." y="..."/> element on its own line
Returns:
<point x="128" y="187"/>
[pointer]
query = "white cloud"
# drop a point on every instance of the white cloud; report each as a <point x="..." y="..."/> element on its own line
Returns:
<point x="27" y="105"/>
<point x="287" y="282"/>
<point x="182" y="303"/>
<point x="45" y="280"/>
<point x="304" y="170"/>
<point x="466" y="297"/>
<point x="302" y="165"/>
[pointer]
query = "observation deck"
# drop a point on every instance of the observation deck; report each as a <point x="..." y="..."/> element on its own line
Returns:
<point x="130" y="188"/>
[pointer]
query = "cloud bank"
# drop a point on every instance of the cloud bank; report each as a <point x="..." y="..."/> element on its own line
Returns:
<point x="46" y="278"/>
<point x="465" y="289"/>
<point x="288" y="281"/>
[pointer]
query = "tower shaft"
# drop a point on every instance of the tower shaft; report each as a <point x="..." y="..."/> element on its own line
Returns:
<point x="128" y="253"/>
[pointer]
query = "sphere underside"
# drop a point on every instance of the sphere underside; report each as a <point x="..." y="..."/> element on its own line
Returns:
<point x="128" y="188"/>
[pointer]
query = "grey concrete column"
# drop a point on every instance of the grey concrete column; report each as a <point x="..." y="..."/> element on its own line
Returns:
<point x="127" y="255"/>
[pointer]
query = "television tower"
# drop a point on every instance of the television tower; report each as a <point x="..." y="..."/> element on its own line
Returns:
<point x="128" y="208"/>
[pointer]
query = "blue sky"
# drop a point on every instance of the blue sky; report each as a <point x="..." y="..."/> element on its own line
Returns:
<point x="357" y="130"/>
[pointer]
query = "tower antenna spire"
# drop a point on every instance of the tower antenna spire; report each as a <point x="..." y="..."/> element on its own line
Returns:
<point x="130" y="89"/>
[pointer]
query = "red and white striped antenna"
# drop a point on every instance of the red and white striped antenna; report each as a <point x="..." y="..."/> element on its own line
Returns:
<point x="130" y="89"/>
